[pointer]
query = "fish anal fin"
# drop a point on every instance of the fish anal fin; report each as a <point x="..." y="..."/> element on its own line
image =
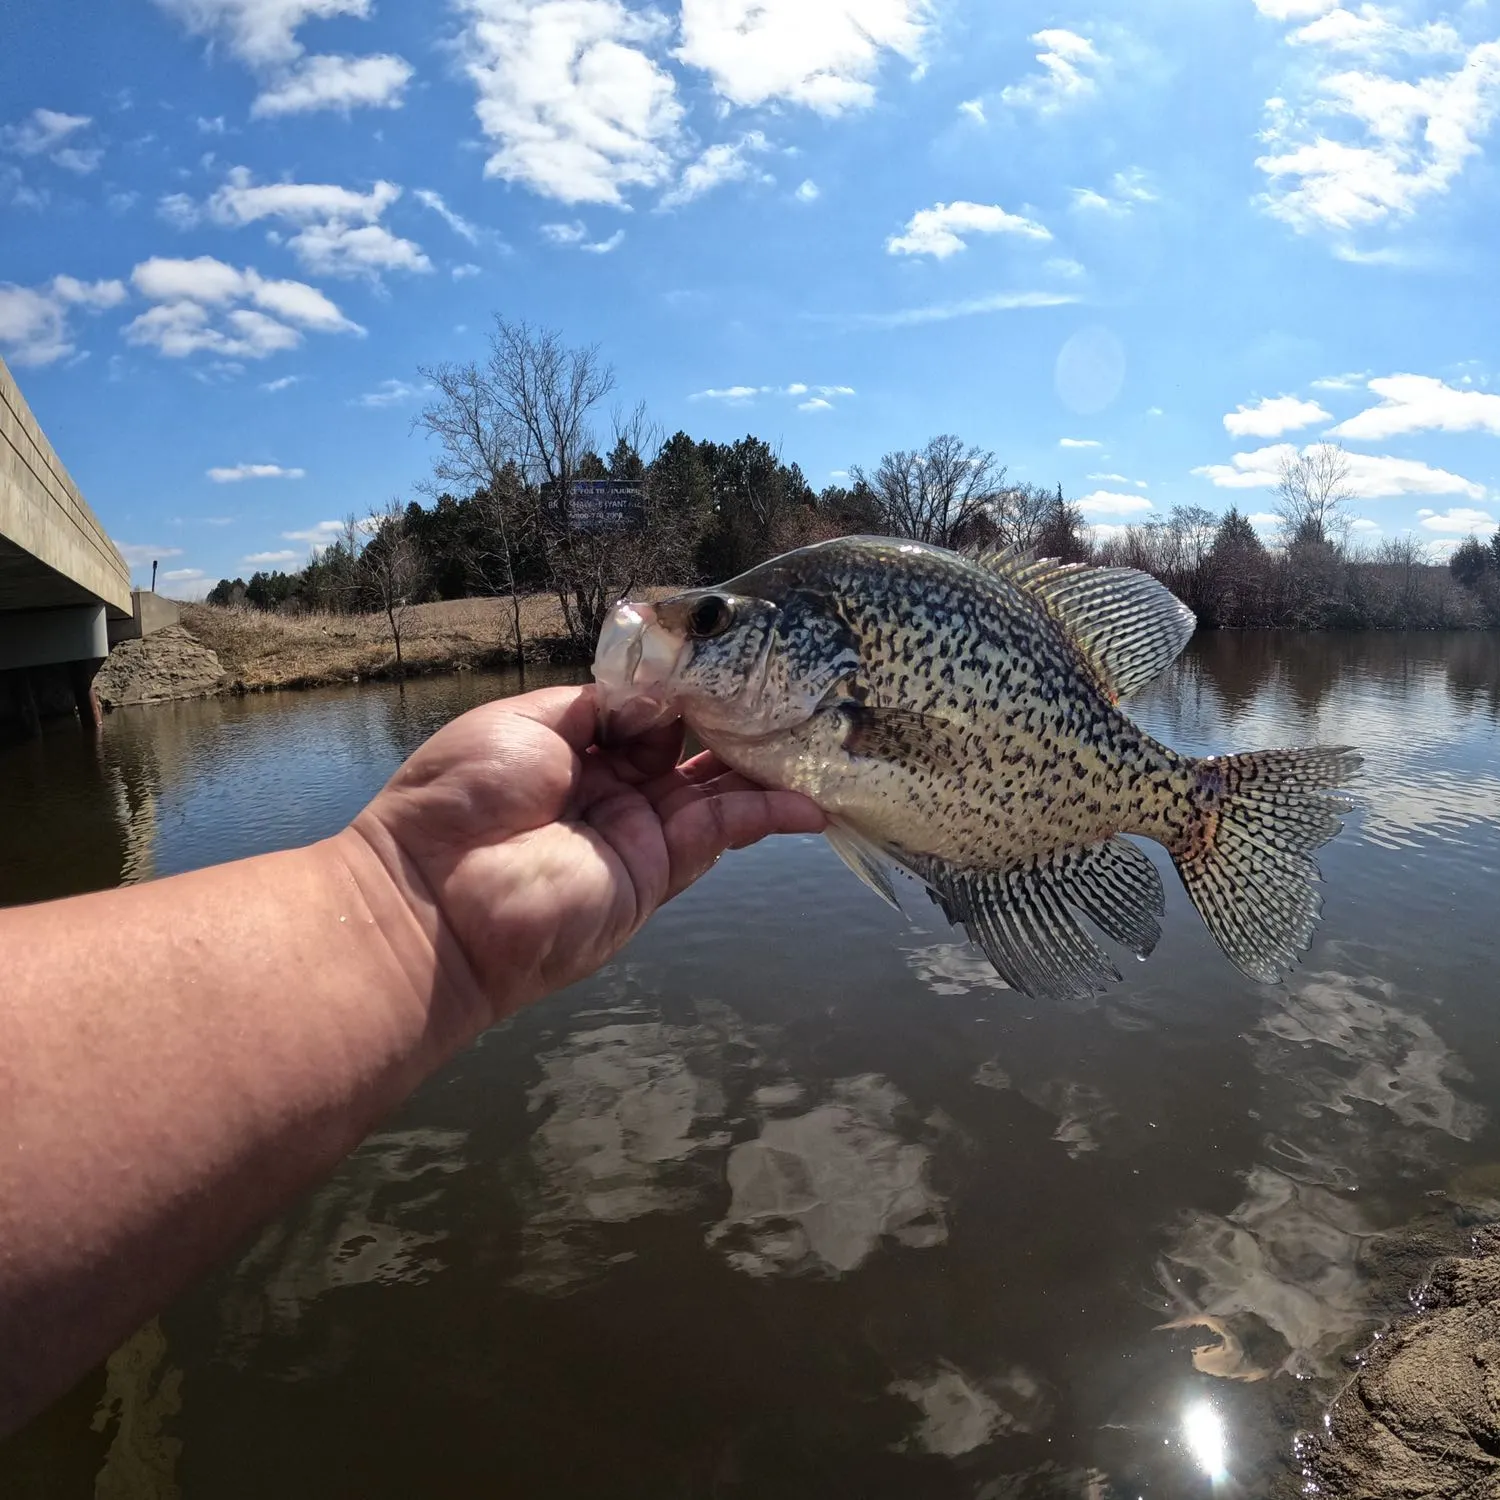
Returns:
<point x="1023" y="916"/>
<point x="1129" y="627"/>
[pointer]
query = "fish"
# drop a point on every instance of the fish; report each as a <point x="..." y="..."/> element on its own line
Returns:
<point x="957" y="718"/>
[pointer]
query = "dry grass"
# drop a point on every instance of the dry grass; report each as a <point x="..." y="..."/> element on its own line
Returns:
<point x="262" y="650"/>
<point x="282" y="651"/>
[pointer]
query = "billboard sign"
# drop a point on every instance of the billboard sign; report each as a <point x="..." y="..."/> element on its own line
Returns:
<point x="604" y="504"/>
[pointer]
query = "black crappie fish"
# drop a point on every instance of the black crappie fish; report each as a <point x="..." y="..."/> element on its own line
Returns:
<point x="958" y="718"/>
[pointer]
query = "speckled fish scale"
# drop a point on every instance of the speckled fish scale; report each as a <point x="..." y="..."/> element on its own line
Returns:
<point x="962" y="723"/>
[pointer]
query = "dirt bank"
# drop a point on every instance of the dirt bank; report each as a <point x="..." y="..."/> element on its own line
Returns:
<point x="158" y="668"/>
<point x="1422" y="1416"/>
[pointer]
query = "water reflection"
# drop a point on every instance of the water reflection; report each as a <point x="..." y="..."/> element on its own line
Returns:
<point x="798" y="1199"/>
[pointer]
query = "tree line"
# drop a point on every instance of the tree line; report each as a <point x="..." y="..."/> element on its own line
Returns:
<point x="526" y="498"/>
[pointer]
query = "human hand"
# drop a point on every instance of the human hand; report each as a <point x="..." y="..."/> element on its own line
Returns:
<point x="529" y="854"/>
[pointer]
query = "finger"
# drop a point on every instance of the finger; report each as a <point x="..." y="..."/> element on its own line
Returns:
<point x="570" y="712"/>
<point x="701" y="826"/>
<point x="649" y="755"/>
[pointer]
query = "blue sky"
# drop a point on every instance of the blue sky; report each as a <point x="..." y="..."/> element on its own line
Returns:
<point x="1143" y="250"/>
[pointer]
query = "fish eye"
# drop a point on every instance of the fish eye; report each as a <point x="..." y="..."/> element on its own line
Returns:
<point x="710" y="616"/>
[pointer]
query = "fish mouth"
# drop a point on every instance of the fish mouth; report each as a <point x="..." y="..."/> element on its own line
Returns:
<point x="634" y="664"/>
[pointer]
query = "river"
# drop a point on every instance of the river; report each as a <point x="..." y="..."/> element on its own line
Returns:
<point x="795" y="1200"/>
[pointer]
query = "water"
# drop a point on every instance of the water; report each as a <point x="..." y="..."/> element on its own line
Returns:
<point x="795" y="1200"/>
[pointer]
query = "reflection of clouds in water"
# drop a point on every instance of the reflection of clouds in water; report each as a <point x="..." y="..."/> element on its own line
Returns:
<point x="1403" y="722"/>
<point x="1049" y="1481"/>
<point x="960" y="1414"/>
<point x="818" y="1191"/>
<point x="1366" y="1049"/>
<point x="953" y="969"/>
<point x="357" y="1229"/>
<point x="626" y="1104"/>
<point x="1405" y="808"/>
<point x="142" y="1393"/>
<point x="634" y="1126"/>
<point x="1285" y="1261"/>
<point x="1080" y="1109"/>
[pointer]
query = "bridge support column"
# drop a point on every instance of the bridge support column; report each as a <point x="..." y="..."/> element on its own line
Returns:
<point x="48" y="658"/>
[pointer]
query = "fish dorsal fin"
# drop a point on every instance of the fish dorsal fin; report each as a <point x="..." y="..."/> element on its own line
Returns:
<point x="1129" y="627"/>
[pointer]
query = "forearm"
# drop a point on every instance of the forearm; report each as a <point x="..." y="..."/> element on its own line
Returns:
<point x="177" y="1061"/>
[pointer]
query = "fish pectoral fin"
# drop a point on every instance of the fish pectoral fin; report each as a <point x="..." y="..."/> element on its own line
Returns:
<point x="1129" y="627"/>
<point x="1021" y="917"/>
<point x="901" y="734"/>
<point x="867" y="859"/>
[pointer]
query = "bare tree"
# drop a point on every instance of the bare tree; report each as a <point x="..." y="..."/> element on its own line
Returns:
<point x="528" y="408"/>
<point x="938" y="494"/>
<point x="1313" y="495"/>
<point x="479" y="455"/>
<point x="394" y="569"/>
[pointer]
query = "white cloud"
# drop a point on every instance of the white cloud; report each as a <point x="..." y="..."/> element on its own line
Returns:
<point x="179" y="210"/>
<point x="1370" y="477"/>
<point x="182" y="575"/>
<point x="1369" y="146"/>
<point x="322" y="535"/>
<point x="575" y="107"/>
<point x="719" y="164"/>
<point x="463" y="272"/>
<point x="1421" y="403"/>
<point x="942" y="312"/>
<point x="284" y="383"/>
<point x="243" y="201"/>
<point x="261" y="559"/>
<point x="338" y="233"/>
<point x="1079" y="443"/>
<point x="824" y="54"/>
<point x="576" y="236"/>
<point x="388" y="393"/>
<point x="262" y="34"/>
<point x="1459" y="520"/>
<point x="808" y="192"/>
<point x="1350" y="382"/>
<point x="974" y="108"/>
<point x="139" y="554"/>
<point x="819" y="397"/>
<point x="50" y="133"/>
<point x="342" y="83"/>
<point x="1113" y="503"/>
<point x="1129" y="188"/>
<point x="356" y="250"/>
<point x="938" y="231"/>
<point x="34" y="320"/>
<point x="1070" y="68"/>
<point x="1293" y="10"/>
<point x="1271" y="416"/>
<point x="729" y="393"/>
<point x="1113" y="479"/>
<point x="1372" y="31"/>
<point x="1364" y="526"/>
<point x="253" y="471"/>
<point x="196" y="310"/>
<point x="1063" y="265"/>
<point x="455" y="221"/>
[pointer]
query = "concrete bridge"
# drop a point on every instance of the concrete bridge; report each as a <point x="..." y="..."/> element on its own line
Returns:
<point x="65" y="592"/>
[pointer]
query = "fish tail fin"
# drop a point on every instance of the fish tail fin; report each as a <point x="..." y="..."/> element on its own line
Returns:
<point x="1246" y="859"/>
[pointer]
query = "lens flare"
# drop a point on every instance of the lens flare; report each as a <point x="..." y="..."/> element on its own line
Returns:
<point x="1203" y="1432"/>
